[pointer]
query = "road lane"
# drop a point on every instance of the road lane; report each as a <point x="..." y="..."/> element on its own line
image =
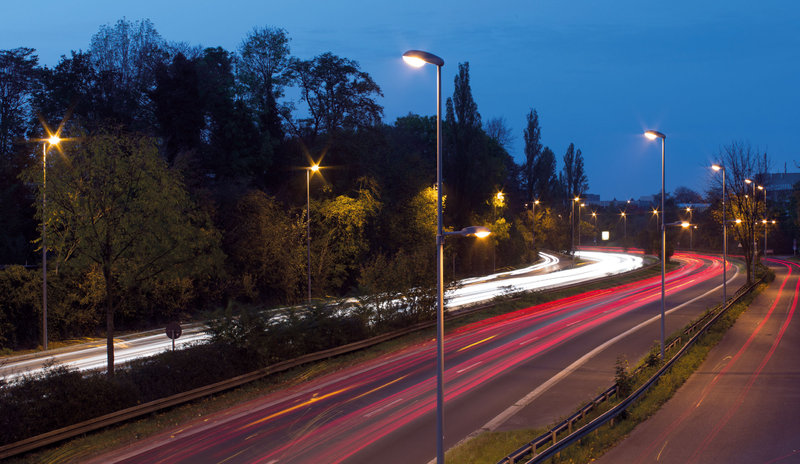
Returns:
<point x="383" y="410"/>
<point x="742" y="405"/>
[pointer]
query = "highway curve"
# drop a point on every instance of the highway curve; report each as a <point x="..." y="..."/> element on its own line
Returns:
<point x="742" y="405"/>
<point x="383" y="410"/>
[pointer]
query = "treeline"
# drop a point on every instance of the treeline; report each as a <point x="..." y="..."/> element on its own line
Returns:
<point x="181" y="183"/>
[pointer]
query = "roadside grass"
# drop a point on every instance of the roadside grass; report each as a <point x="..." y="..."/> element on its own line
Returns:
<point x="490" y="447"/>
<point x="93" y="444"/>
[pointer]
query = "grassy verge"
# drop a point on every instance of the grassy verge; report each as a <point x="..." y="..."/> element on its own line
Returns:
<point x="80" y="449"/>
<point x="490" y="447"/>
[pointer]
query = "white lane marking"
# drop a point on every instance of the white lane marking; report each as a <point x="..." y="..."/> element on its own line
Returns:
<point x="372" y="413"/>
<point x="468" y="367"/>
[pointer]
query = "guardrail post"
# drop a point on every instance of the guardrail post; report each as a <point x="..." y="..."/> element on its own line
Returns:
<point x="553" y="433"/>
<point x="569" y="426"/>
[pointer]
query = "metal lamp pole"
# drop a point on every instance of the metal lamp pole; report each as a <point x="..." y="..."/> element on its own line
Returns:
<point x="309" y="170"/>
<point x="760" y="187"/>
<point x="718" y="167"/>
<point x="53" y="140"/>
<point x="652" y="135"/>
<point x="533" y="224"/>
<point x="753" y="220"/>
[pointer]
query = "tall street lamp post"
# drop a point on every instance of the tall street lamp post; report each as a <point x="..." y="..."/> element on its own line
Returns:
<point x="652" y="135"/>
<point x="533" y="224"/>
<point x="624" y="229"/>
<point x="572" y="221"/>
<point x="718" y="167"/>
<point x="580" y="208"/>
<point x="689" y="210"/>
<point x="309" y="170"/>
<point x="761" y="187"/>
<point x="754" y="222"/>
<point x="418" y="58"/>
<point x="52" y="141"/>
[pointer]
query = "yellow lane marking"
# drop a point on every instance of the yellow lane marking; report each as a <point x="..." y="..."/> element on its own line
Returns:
<point x="378" y="388"/>
<point x="476" y="343"/>
<point x="313" y="400"/>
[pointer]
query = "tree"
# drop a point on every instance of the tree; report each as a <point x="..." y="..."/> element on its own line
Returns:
<point x="340" y="240"/>
<point x="256" y="254"/>
<point x="115" y="205"/>
<point x="742" y="162"/>
<point x="497" y="129"/>
<point x="18" y="78"/>
<point x="573" y="175"/>
<point x="533" y="156"/>
<point x="178" y="107"/>
<point x="687" y="195"/>
<point x="125" y="57"/>
<point x="264" y="71"/>
<point x="339" y="96"/>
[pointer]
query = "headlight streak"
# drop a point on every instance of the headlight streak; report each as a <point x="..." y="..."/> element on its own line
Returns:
<point x="549" y="325"/>
<point x="489" y="287"/>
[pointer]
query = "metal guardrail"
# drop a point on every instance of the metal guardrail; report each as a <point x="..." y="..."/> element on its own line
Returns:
<point x="117" y="417"/>
<point x="551" y="437"/>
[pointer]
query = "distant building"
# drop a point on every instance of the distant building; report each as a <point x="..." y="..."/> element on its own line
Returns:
<point x="780" y="186"/>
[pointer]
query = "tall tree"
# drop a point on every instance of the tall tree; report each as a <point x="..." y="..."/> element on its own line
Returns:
<point x="533" y="156"/>
<point x="742" y="162"/>
<point x="178" y="107"/>
<point x="117" y="207"/>
<point x="125" y="57"/>
<point x="264" y="72"/>
<point x="574" y="177"/>
<point x="339" y="96"/>
<point x="19" y="77"/>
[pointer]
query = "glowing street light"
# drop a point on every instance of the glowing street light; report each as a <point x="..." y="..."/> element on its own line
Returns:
<point x="652" y="135"/>
<point x="718" y="168"/>
<point x="625" y="228"/>
<point x="418" y="58"/>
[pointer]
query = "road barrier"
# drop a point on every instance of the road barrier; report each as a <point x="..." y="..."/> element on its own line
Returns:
<point x="551" y="436"/>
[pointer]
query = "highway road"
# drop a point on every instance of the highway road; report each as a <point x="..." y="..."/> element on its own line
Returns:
<point x="530" y="366"/>
<point x="743" y="403"/>
<point x="546" y="273"/>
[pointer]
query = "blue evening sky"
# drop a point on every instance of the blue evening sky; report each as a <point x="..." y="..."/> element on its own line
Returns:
<point x="704" y="72"/>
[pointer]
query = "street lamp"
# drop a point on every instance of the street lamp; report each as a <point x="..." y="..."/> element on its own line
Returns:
<point x="533" y="224"/>
<point x="572" y="221"/>
<point x="719" y="167"/>
<point x="594" y="235"/>
<point x="418" y="58"/>
<point x="689" y="210"/>
<point x="52" y="141"/>
<point x="625" y="228"/>
<point x="753" y="220"/>
<point x="761" y="187"/>
<point x="652" y="135"/>
<point x="314" y="168"/>
<point x="580" y="208"/>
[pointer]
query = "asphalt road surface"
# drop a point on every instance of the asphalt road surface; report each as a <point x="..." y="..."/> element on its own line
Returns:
<point x="743" y="404"/>
<point x="525" y="368"/>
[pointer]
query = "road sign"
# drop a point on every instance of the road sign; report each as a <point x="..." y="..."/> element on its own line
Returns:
<point x="173" y="331"/>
